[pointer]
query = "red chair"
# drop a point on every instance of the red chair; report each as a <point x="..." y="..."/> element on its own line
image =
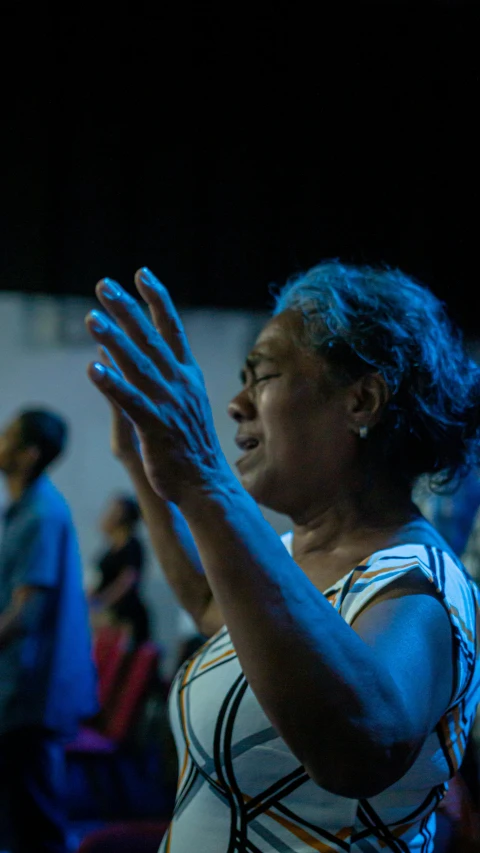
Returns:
<point x="138" y="836"/>
<point x="98" y="747"/>
<point x="109" y="650"/>
<point x="142" y="668"/>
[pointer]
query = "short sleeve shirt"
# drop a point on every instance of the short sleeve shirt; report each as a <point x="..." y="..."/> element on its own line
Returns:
<point x="47" y="675"/>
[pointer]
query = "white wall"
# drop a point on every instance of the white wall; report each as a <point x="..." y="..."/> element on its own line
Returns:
<point x="42" y="362"/>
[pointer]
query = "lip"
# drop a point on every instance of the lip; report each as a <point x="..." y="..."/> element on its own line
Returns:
<point x="246" y="456"/>
<point x="246" y="442"/>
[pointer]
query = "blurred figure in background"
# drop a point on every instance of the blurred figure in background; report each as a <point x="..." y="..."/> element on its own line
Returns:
<point x="116" y="599"/>
<point x="47" y="675"/>
<point x="452" y="514"/>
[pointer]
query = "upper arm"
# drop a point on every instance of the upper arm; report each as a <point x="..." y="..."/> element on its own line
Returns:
<point x="408" y="627"/>
<point x="21" y="595"/>
<point x="27" y="607"/>
<point x="37" y="558"/>
<point x="127" y="576"/>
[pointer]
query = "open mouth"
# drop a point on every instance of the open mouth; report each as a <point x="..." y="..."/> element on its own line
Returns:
<point x="246" y="443"/>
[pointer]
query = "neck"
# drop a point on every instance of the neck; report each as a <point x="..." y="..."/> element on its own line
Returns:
<point x="354" y="526"/>
<point x="16" y="485"/>
<point x="120" y="536"/>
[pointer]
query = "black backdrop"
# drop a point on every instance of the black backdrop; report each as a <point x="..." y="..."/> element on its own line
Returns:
<point x="227" y="146"/>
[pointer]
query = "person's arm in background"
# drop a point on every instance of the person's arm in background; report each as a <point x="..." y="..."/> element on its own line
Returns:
<point x="35" y="574"/>
<point x="129" y="568"/>
<point x="114" y="592"/>
<point x="170" y="536"/>
<point x="16" y="617"/>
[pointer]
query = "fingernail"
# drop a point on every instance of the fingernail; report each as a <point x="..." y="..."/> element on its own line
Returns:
<point x="98" y="371"/>
<point x="111" y="289"/>
<point x="98" y="322"/>
<point x="147" y="277"/>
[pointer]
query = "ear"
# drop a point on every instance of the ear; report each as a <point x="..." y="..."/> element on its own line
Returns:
<point x="366" y="400"/>
<point x="30" y="457"/>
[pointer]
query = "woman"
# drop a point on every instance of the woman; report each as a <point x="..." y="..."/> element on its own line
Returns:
<point x="333" y="699"/>
<point x="120" y="569"/>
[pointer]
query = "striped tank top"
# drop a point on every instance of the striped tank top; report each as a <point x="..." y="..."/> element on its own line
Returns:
<point x="241" y="790"/>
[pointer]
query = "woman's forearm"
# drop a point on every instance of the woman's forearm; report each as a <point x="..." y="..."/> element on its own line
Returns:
<point x="175" y="549"/>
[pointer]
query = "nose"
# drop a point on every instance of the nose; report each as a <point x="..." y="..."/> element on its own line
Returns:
<point x="241" y="408"/>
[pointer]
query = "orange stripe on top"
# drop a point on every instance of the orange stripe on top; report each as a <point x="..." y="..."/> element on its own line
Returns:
<point x="456" y="722"/>
<point x="448" y="742"/>
<point x="220" y="657"/>
<point x="335" y="598"/>
<point x="184" y="726"/>
<point x="453" y="610"/>
<point x="374" y="574"/>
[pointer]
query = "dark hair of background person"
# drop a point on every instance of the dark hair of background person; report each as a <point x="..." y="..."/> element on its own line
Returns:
<point x="46" y="431"/>
<point x="130" y="509"/>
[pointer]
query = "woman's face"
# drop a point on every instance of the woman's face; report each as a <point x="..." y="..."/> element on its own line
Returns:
<point x="112" y="518"/>
<point x="293" y="427"/>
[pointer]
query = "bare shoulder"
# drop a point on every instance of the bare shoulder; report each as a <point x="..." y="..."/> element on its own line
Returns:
<point x="408" y="626"/>
<point x="411" y="599"/>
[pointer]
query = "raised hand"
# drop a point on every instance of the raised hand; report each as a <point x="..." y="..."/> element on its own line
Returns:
<point x="159" y="386"/>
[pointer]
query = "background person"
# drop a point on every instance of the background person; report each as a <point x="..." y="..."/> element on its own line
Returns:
<point x="120" y="568"/>
<point x="47" y="677"/>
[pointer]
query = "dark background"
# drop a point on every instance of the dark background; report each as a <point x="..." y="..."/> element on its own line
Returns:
<point x="227" y="146"/>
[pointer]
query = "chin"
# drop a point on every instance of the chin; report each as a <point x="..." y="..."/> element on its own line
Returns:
<point x="262" y="491"/>
<point x="251" y="485"/>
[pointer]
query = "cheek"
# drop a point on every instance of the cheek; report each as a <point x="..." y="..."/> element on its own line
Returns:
<point x="287" y="440"/>
<point x="305" y="434"/>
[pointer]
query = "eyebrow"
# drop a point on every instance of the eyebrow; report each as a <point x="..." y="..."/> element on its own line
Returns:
<point x="253" y="360"/>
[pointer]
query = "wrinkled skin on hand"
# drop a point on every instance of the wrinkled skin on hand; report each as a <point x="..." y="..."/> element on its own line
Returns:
<point x="153" y="378"/>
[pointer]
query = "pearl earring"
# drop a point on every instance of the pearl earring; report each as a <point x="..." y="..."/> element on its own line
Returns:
<point x="363" y="431"/>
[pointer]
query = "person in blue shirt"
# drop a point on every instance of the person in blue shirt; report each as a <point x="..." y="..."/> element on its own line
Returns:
<point x="47" y="674"/>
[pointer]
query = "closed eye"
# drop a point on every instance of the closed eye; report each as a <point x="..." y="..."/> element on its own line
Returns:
<point x="257" y="379"/>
